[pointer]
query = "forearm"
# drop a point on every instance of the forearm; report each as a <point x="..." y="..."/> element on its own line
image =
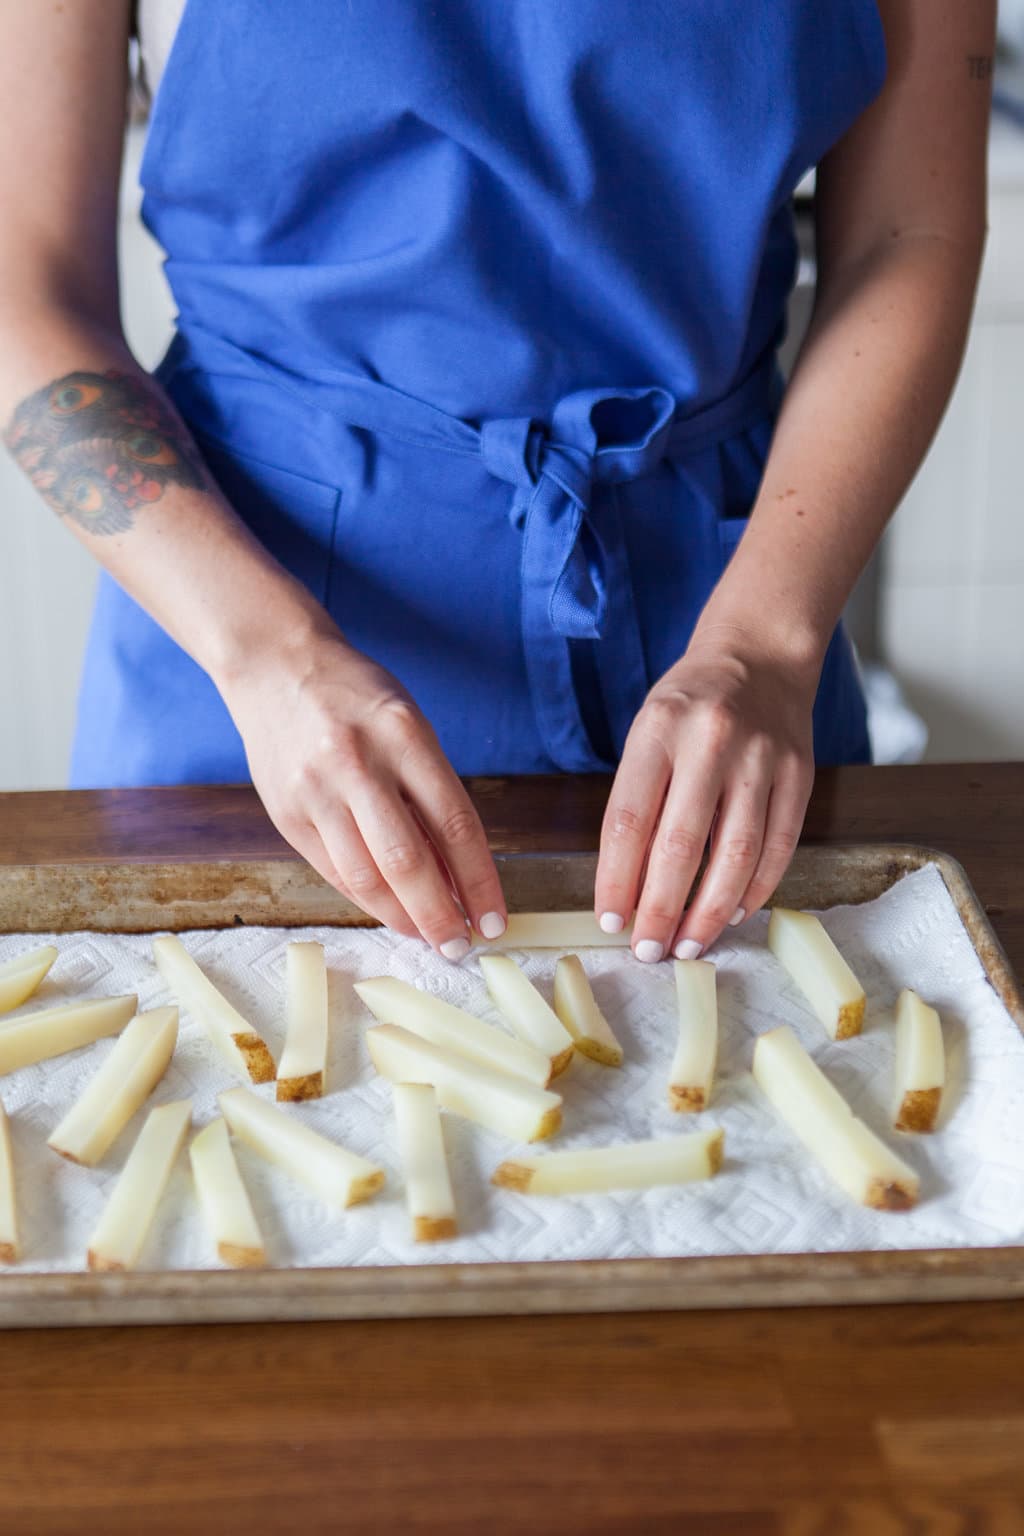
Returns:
<point x="109" y="454"/>
<point x="871" y="383"/>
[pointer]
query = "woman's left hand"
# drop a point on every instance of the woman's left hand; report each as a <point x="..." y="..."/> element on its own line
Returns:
<point x="721" y="749"/>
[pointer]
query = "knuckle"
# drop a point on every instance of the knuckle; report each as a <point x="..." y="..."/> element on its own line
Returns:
<point x="716" y="913"/>
<point x="401" y="859"/>
<point x="399" y="717"/>
<point x="777" y="851"/>
<point x="303" y="780"/>
<point x="344" y="747"/>
<point x="740" y="852"/>
<point x="458" y="826"/>
<point x="680" y="845"/>
<point x="291" y="825"/>
<point x="661" y="715"/>
<point x="658" y="915"/>
<point x="364" y="880"/>
<point x="435" y="921"/>
<point x="479" y="891"/>
<point x="716" y="723"/>
<point x="625" y="824"/>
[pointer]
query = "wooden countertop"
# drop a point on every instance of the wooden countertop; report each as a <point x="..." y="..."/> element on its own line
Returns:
<point x="833" y="1421"/>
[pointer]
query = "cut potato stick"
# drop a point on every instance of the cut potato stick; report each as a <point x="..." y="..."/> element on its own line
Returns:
<point x="20" y="977"/>
<point x="818" y="1114"/>
<point x="10" y="1246"/>
<point x="428" y="1185"/>
<point x="502" y="1103"/>
<point x="397" y="1002"/>
<point x="577" y="1010"/>
<point x="51" y="1032"/>
<point x="338" y="1176"/>
<point x="239" y="1044"/>
<point x="920" y="1064"/>
<point x="223" y="1200"/>
<point x="693" y="1067"/>
<point x="523" y="1008"/>
<point x="128" y="1215"/>
<point x="555" y="930"/>
<point x="300" y="1072"/>
<point x="800" y="943"/>
<point x="630" y="1165"/>
<point x="133" y="1068"/>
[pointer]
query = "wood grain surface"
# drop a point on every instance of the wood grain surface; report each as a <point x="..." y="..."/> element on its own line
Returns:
<point x="817" y="1422"/>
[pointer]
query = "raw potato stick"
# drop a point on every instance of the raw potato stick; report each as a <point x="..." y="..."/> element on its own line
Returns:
<point x="241" y="1047"/>
<point x="10" y="1245"/>
<point x="819" y="1115"/>
<point x="139" y="1059"/>
<point x="300" y="1072"/>
<point x="800" y="943"/>
<point x="576" y="1008"/>
<point x="631" y="1165"/>
<point x="428" y="1185"/>
<point x="502" y="1103"/>
<point x="20" y="977"/>
<point x="396" y="1002"/>
<point x="920" y="1064"/>
<point x="53" y="1031"/>
<point x="693" y="1067"/>
<point x="338" y="1176"/>
<point x="555" y="930"/>
<point x="522" y="1007"/>
<point x="128" y="1215"/>
<point x="227" y="1212"/>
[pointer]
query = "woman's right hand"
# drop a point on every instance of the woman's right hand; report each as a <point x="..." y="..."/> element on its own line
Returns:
<point x="352" y="774"/>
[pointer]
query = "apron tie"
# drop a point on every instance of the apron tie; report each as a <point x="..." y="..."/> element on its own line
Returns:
<point x="574" y="570"/>
<point x="566" y="565"/>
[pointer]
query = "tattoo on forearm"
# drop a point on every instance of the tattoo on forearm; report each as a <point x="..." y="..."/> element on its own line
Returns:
<point x="979" y="66"/>
<point x="100" y="445"/>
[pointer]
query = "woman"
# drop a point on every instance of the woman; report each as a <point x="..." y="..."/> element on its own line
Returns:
<point x="473" y="394"/>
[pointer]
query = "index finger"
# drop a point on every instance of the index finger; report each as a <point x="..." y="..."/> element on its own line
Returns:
<point x="629" y="820"/>
<point x="453" y="826"/>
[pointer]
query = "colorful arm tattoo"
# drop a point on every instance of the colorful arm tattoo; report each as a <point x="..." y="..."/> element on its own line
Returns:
<point x="100" y="445"/>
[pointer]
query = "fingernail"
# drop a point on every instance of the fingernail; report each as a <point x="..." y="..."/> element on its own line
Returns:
<point x="648" y="950"/>
<point x="737" y="917"/>
<point x="611" y="922"/>
<point x="688" y="949"/>
<point x="455" y="949"/>
<point x="492" y="925"/>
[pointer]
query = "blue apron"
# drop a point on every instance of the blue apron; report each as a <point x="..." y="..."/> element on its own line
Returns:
<point x="478" y="311"/>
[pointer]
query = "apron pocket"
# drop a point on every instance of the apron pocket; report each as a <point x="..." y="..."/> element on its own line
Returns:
<point x="293" y="516"/>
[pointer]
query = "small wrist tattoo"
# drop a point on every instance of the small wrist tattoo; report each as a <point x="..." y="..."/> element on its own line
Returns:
<point x="98" y="446"/>
<point x="979" y="66"/>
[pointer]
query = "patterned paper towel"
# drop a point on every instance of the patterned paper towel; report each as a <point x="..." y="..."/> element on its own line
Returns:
<point x="769" y="1198"/>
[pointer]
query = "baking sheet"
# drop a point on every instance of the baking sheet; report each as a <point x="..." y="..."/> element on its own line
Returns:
<point x="768" y="1200"/>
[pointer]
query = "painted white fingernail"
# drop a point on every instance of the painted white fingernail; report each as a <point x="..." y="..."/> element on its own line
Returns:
<point x="611" y="922"/>
<point x="492" y="925"/>
<point x="688" y="949"/>
<point x="737" y="917"/>
<point x="455" y="949"/>
<point x="648" y="950"/>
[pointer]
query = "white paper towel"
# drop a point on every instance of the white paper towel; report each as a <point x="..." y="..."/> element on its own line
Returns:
<point x="769" y="1198"/>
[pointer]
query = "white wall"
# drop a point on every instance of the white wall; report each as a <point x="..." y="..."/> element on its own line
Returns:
<point x="46" y="578"/>
<point x="951" y="598"/>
